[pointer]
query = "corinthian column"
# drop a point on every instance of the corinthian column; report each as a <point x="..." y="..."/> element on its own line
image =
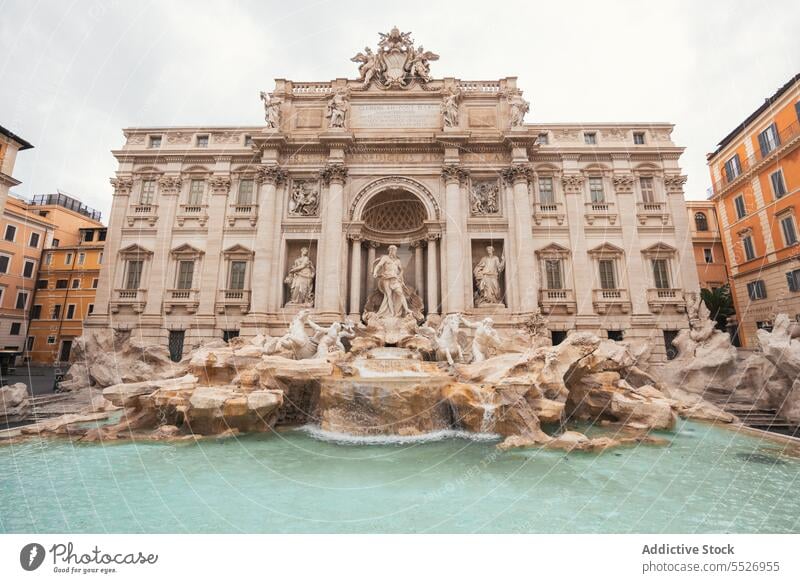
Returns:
<point x="330" y="267"/>
<point x="454" y="298"/>
<point x="517" y="176"/>
<point x="372" y="246"/>
<point x="432" y="285"/>
<point x="355" y="277"/>
<point x="268" y="178"/>
<point x="220" y="187"/>
<point x="418" y="271"/>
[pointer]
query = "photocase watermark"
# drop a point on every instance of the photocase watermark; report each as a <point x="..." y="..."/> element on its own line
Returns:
<point x="66" y="559"/>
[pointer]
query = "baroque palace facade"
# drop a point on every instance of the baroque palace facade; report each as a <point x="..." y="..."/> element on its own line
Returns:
<point x="220" y="231"/>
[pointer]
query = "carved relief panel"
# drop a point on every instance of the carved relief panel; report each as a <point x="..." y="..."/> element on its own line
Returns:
<point x="484" y="197"/>
<point x="304" y="198"/>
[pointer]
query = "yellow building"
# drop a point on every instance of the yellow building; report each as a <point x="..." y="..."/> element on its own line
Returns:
<point x="65" y="290"/>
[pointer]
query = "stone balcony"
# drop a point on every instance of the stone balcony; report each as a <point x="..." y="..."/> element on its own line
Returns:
<point x="607" y="299"/>
<point x="198" y="212"/>
<point x="182" y="298"/>
<point x="557" y="300"/>
<point x="143" y="212"/>
<point x="549" y="213"/>
<point x="248" y="212"/>
<point x="659" y="298"/>
<point x="233" y="298"/>
<point x="652" y="212"/>
<point x="135" y="299"/>
<point x="603" y="211"/>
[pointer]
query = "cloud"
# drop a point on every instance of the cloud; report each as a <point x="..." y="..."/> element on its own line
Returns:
<point x="75" y="73"/>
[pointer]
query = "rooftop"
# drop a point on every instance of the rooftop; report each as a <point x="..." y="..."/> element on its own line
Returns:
<point x="23" y="144"/>
<point x="66" y="202"/>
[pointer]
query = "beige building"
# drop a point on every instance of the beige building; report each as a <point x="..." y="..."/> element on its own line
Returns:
<point x="709" y="253"/>
<point x="216" y="231"/>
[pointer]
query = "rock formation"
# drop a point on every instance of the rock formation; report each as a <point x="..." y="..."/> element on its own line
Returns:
<point x="14" y="403"/>
<point x="782" y="349"/>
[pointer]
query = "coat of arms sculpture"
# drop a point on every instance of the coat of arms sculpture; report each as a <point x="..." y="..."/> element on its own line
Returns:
<point x="396" y="63"/>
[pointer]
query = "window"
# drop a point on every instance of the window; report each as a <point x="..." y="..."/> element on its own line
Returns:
<point x="89" y="309"/>
<point x="55" y="312"/>
<point x="616" y="335"/>
<point x="81" y="258"/>
<point x="238" y="271"/>
<point x="34" y="240"/>
<point x="543" y="138"/>
<point x="88" y="235"/>
<point x="738" y="202"/>
<point x="590" y="138"/>
<point x="95" y="281"/>
<point x="793" y="279"/>
<point x="76" y="283"/>
<point x="546" y="194"/>
<point x="708" y="256"/>
<point x="71" y="312"/>
<point x="638" y="138"/>
<point x="669" y="336"/>
<point x="11" y="233"/>
<point x="29" y="344"/>
<point x="788" y="230"/>
<point x="68" y="259"/>
<point x="245" y="194"/>
<point x="48" y="259"/>
<point x="196" y="192"/>
<point x="36" y="312"/>
<point x="778" y="185"/>
<point x="661" y="273"/>
<point x="185" y="274"/>
<point x="175" y="344"/>
<point x="101" y="235"/>
<point x="27" y="268"/>
<point x="701" y="221"/>
<point x="552" y="268"/>
<point x="733" y="168"/>
<point x="51" y="339"/>
<point x="596" y="189"/>
<point x="154" y="141"/>
<point x="56" y="242"/>
<point x="227" y="335"/>
<point x="248" y="141"/>
<point x="749" y="250"/>
<point x="4" y="263"/>
<point x="608" y="276"/>
<point x="148" y="194"/>
<point x="558" y="336"/>
<point x="133" y="276"/>
<point x="41" y="284"/>
<point x="648" y="190"/>
<point x="768" y="140"/>
<point x="202" y="141"/>
<point x="61" y="284"/>
<point x="756" y="290"/>
<point x="15" y="328"/>
<point x="100" y="258"/>
<point x="22" y="300"/>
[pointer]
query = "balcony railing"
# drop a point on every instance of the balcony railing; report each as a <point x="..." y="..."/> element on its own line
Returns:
<point x="551" y="210"/>
<point x="233" y="298"/>
<point x="657" y="210"/>
<point x="192" y="211"/>
<point x="657" y="298"/>
<point x="133" y="298"/>
<point x="786" y="136"/>
<point x="608" y="298"/>
<point x="146" y="212"/>
<point x="187" y="298"/>
<point x="550" y="299"/>
<point x="243" y="211"/>
<point x="596" y="210"/>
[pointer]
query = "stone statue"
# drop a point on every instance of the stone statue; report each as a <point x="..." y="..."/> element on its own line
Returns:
<point x="337" y="109"/>
<point x="272" y="110"/>
<point x="487" y="279"/>
<point x="388" y="273"/>
<point x="304" y="200"/>
<point x="447" y="345"/>
<point x="483" y="198"/>
<point x="328" y="339"/>
<point x="296" y="339"/>
<point x="519" y="107"/>
<point x="370" y="66"/>
<point x="417" y="64"/>
<point x="486" y="339"/>
<point x="450" y="108"/>
<point x="301" y="280"/>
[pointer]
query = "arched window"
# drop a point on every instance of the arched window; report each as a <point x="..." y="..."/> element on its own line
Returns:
<point x="700" y="221"/>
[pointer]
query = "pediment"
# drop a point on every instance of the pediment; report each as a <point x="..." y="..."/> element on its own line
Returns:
<point x="606" y="249"/>
<point x="135" y="249"/>
<point x="237" y="250"/>
<point x="553" y="250"/>
<point x="187" y="250"/>
<point x="659" y="249"/>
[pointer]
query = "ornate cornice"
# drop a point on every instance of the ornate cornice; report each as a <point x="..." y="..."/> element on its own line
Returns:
<point x="122" y="186"/>
<point x="270" y="175"/>
<point x="454" y="172"/>
<point x="573" y="183"/>
<point x="333" y="173"/>
<point x="623" y="183"/>
<point x="517" y="173"/>
<point x="169" y="185"/>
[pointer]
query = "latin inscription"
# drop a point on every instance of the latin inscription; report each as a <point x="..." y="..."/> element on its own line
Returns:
<point x="396" y="115"/>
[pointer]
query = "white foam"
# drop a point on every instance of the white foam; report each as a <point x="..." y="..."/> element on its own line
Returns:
<point x="348" y="439"/>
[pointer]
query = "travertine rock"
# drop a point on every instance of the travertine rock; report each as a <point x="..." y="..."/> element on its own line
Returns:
<point x="14" y="403"/>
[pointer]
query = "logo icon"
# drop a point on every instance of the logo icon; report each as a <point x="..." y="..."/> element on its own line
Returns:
<point x="31" y="556"/>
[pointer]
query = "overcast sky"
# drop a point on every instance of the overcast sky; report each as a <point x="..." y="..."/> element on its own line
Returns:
<point x="72" y="74"/>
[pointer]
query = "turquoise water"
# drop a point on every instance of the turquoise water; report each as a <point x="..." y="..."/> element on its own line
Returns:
<point x="707" y="480"/>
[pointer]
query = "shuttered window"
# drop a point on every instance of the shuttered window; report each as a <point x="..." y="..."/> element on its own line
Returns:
<point x="749" y="250"/>
<point x="768" y="140"/>
<point x="238" y="271"/>
<point x="793" y="279"/>
<point x="741" y="211"/>
<point x="778" y="185"/>
<point x="756" y="290"/>
<point x="789" y="232"/>
<point x="196" y="191"/>
<point x="733" y="168"/>
<point x="596" y="189"/>
<point x="185" y="274"/>
<point x="245" y="194"/>
<point x="661" y="273"/>
<point x="608" y="276"/>
<point x="148" y="192"/>
<point x="134" y="275"/>
<point x="546" y="195"/>
<point x="553" y="273"/>
<point x="648" y="190"/>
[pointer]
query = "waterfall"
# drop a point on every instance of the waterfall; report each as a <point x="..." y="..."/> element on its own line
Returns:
<point x="488" y="411"/>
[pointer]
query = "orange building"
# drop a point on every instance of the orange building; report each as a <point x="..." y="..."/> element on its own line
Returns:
<point x="709" y="255"/>
<point x="65" y="290"/>
<point x="755" y="173"/>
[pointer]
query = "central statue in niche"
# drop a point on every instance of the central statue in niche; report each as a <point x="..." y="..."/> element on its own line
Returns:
<point x="388" y="274"/>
